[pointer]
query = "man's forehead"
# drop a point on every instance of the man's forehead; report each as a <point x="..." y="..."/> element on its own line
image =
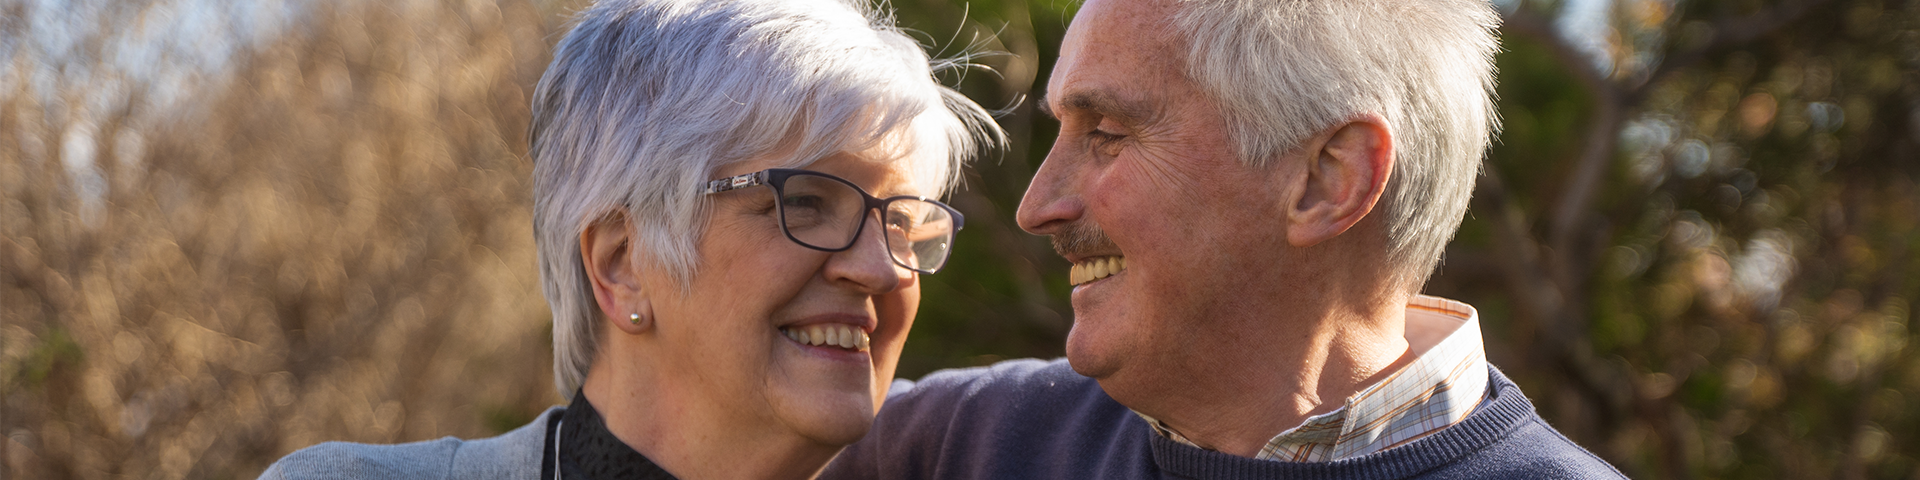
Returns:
<point x="1120" y="28"/>
<point x="1143" y="12"/>
<point x="1113" y="47"/>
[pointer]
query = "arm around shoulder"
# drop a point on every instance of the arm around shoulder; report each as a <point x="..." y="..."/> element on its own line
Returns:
<point x="943" y="417"/>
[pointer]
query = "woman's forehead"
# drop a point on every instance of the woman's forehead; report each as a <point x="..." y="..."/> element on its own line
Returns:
<point x="883" y="173"/>
<point x="907" y="161"/>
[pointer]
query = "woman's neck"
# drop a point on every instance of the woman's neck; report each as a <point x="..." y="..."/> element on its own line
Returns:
<point x="697" y="438"/>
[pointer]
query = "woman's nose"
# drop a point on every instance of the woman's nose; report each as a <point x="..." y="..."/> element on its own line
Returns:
<point x="867" y="265"/>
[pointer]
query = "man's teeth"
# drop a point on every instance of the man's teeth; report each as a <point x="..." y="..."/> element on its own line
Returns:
<point x="830" y="334"/>
<point x="1095" y="269"/>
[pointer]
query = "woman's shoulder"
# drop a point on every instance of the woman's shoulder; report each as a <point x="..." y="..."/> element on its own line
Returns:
<point x="428" y="459"/>
<point x="515" y="454"/>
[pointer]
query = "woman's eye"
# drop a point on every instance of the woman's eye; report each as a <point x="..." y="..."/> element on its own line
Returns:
<point x="812" y="202"/>
<point x="901" y="221"/>
<point x="802" y="211"/>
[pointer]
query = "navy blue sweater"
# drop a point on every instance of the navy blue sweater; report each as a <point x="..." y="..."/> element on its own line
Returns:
<point x="1037" y="419"/>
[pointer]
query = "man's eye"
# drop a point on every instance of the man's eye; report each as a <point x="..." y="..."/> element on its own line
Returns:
<point x="1107" y="143"/>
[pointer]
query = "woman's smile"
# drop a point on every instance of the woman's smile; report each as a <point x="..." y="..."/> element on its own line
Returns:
<point x="839" y="337"/>
<point x="831" y="335"/>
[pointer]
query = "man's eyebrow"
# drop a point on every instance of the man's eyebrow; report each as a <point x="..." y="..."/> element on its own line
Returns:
<point x="1041" y="104"/>
<point x="1104" y="104"/>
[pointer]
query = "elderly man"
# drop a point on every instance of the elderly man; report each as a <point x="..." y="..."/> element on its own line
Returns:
<point x="1251" y="193"/>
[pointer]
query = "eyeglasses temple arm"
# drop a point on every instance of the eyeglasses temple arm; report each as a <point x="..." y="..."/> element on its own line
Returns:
<point x="736" y="182"/>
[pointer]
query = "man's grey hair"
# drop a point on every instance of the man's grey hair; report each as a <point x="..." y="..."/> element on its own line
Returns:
<point x="646" y="99"/>
<point x="1282" y="71"/>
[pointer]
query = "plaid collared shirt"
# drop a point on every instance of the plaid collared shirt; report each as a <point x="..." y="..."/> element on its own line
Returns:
<point x="1434" y="392"/>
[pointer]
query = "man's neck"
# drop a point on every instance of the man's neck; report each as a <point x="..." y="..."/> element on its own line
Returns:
<point x="693" y="439"/>
<point x="1264" y="376"/>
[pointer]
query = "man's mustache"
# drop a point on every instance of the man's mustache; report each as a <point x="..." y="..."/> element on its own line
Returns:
<point x="1082" y="238"/>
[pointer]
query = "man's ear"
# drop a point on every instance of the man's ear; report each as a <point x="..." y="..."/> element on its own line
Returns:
<point x="607" y="250"/>
<point x="1346" y="171"/>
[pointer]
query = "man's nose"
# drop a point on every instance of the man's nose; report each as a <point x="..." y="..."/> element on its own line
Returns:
<point x="1052" y="199"/>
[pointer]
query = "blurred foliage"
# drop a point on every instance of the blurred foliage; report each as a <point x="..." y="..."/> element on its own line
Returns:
<point x="231" y="231"/>
<point x="1698" y="252"/>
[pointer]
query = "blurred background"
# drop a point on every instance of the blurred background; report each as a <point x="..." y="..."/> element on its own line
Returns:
<point x="230" y="230"/>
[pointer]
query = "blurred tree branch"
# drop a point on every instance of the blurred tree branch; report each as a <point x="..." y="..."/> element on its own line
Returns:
<point x="1550" y="280"/>
<point x="1726" y="34"/>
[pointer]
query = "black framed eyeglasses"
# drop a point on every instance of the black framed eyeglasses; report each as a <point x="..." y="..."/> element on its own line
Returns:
<point x="827" y="213"/>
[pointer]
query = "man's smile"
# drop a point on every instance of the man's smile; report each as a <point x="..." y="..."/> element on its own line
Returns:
<point x="1096" y="268"/>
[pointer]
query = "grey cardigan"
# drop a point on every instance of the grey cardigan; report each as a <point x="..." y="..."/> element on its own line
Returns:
<point x="514" y="455"/>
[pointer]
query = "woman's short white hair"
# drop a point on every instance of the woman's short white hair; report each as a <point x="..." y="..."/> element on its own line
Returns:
<point x="1282" y="71"/>
<point x="646" y="99"/>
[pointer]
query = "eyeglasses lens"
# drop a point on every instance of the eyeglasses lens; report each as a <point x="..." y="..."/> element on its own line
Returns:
<point x="824" y="213"/>
<point x="821" y="212"/>
<point x="919" y="233"/>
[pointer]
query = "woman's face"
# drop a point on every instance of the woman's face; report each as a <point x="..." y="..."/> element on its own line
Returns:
<point x="731" y="332"/>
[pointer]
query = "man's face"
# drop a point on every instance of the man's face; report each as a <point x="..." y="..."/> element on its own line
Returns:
<point x="1143" y="171"/>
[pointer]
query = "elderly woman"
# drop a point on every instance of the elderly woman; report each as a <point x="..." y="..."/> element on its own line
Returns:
<point x="733" y="203"/>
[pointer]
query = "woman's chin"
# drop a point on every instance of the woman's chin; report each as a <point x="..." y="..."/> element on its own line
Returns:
<point x="829" y="418"/>
<point x="826" y="400"/>
<point x="842" y="431"/>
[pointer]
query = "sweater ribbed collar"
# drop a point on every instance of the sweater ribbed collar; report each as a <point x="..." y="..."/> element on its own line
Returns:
<point x="1504" y="410"/>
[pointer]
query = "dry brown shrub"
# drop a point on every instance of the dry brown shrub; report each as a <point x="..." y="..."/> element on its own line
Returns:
<point x="331" y="243"/>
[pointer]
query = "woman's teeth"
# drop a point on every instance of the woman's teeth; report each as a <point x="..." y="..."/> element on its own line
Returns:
<point x="831" y="335"/>
<point x="1095" y="269"/>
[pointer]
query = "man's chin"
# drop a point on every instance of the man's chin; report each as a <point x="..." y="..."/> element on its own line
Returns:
<point x="1089" y="355"/>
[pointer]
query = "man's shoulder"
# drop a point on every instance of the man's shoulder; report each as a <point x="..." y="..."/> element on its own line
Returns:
<point x="515" y="454"/>
<point x="1536" y="450"/>
<point x="1527" y="447"/>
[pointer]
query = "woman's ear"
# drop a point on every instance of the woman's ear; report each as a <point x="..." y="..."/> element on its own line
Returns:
<point x="607" y="250"/>
<point x="1347" y="167"/>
